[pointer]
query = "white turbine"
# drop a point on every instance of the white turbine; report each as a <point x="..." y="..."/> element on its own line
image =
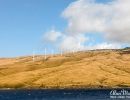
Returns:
<point x="33" y="56"/>
<point x="61" y="52"/>
<point x="79" y="46"/>
<point x="45" y="54"/>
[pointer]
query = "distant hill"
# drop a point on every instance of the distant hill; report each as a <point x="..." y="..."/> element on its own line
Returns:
<point x="85" y="69"/>
<point x="127" y="48"/>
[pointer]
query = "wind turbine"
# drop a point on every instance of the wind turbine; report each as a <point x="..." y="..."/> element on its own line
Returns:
<point x="61" y="53"/>
<point x="73" y="51"/>
<point x="79" y="46"/>
<point x="33" y="56"/>
<point x="45" y="54"/>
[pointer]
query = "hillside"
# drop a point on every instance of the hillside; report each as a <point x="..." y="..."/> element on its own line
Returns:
<point x="86" y="69"/>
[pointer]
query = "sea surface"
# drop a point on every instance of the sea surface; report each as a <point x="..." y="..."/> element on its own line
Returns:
<point x="65" y="94"/>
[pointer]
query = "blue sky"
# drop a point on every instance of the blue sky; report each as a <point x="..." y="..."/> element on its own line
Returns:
<point x="24" y="22"/>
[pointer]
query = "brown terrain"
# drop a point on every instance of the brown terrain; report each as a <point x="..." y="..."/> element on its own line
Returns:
<point x="85" y="69"/>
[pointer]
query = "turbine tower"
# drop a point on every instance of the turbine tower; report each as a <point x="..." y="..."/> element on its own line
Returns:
<point x="61" y="52"/>
<point x="79" y="46"/>
<point x="33" y="56"/>
<point x="45" y="54"/>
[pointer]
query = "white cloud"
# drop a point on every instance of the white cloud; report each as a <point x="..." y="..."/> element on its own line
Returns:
<point x="112" y="19"/>
<point x="76" y="42"/>
<point x="104" y="45"/>
<point x="52" y="35"/>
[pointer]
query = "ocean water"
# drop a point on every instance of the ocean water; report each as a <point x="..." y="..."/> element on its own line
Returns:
<point x="60" y="94"/>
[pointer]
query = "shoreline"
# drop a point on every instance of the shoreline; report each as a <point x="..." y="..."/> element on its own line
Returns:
<point x="65" y="88"/>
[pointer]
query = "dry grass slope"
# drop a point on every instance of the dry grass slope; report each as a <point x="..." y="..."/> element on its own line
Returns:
<point x="90" y="69"/>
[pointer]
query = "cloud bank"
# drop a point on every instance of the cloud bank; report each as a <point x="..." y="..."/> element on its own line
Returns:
<point x="111" y="20"/>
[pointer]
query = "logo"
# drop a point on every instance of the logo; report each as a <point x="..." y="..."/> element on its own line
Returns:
<point x="120" y="94"/>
